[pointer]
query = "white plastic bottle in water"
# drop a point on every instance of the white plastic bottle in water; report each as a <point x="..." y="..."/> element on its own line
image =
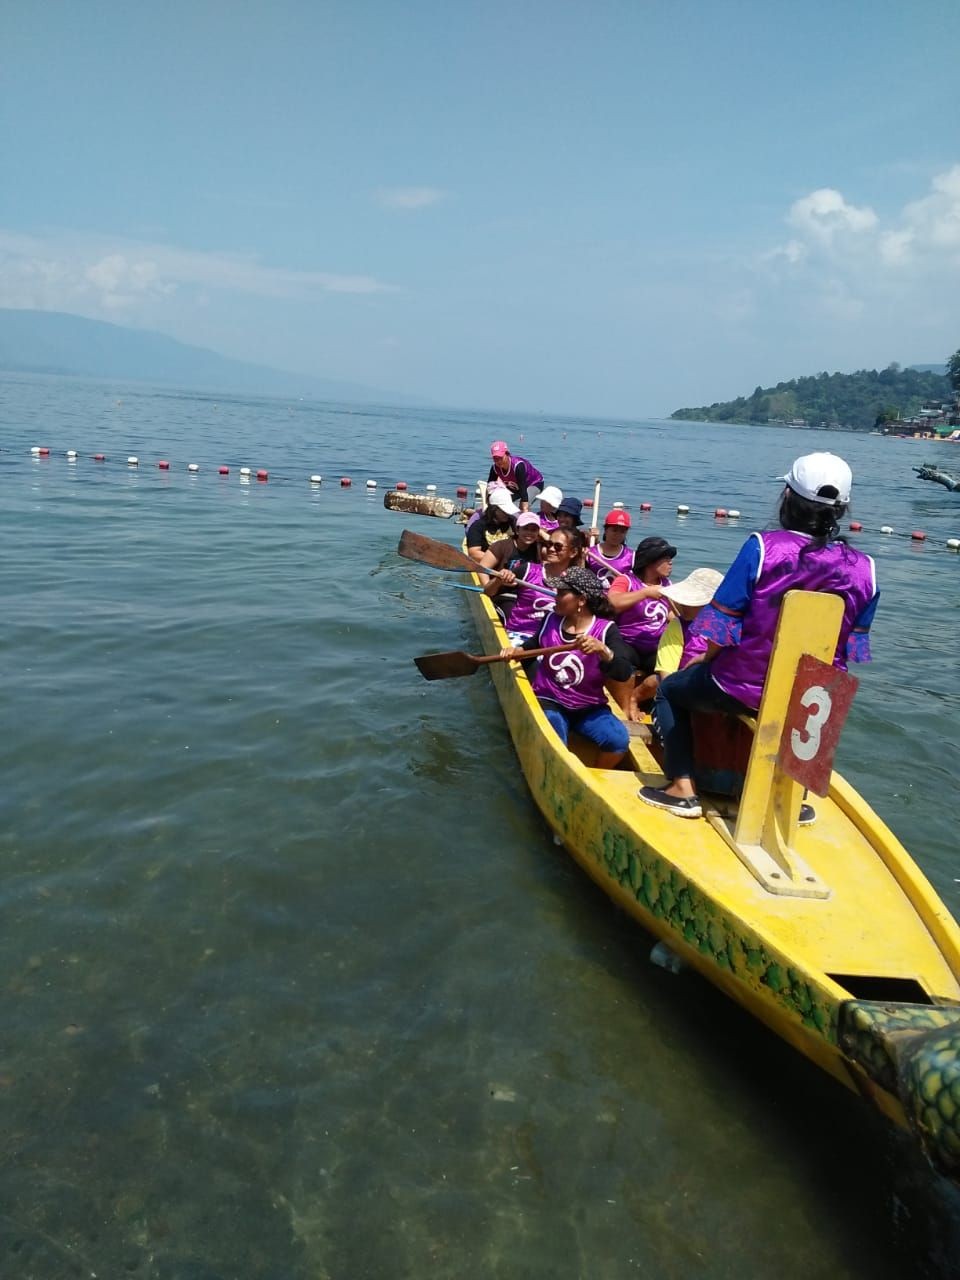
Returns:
<point x="662" y="955"/>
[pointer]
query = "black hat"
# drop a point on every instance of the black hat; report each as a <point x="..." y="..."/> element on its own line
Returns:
<point x="650" y="550"/>
<point x="571" y="507"/>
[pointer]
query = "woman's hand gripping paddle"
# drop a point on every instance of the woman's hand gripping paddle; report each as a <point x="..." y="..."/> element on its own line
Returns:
<point x="446" y="666"/>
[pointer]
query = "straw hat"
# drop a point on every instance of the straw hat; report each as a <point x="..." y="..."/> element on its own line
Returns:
<point x="696" y="588"/>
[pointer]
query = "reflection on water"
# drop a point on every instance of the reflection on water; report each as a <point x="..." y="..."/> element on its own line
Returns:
<point x="296" y="983"/>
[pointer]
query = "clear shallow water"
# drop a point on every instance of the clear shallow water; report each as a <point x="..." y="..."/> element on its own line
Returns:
<point x="296" y="984"/>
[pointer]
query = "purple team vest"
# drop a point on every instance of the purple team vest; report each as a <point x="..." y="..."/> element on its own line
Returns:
<point x="530" y="607"/>
<point x="510" y="477"/>
<point x="573" y="679"/>
<point x="607" y="568"/>
<point x="548" y="525"/>
<point x="741" y="669"/>
<point x="643" y="624"/>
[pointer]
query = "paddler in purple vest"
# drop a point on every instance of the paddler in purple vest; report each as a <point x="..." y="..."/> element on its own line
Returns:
<point x="807" y="554"/>
<point x="642" y="614"/>
<point x="519" y="474"/>
<point x="549" y="500"/>
<point x="611" y="556"/>
<point x="529" y="606"/>
<point x="570" y="686"/>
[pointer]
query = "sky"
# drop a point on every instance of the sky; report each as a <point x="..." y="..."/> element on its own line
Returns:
<point x="611" y="207"/>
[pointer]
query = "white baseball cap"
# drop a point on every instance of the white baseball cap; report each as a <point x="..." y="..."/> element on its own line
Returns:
<point x="551" y="495"/>
<point x="500" y="497"/>
<point x="814" y="472"/>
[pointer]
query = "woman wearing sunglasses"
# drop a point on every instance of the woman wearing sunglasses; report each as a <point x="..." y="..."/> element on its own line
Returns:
<point x="571" y="686"/>
<point x="562" y="550"/>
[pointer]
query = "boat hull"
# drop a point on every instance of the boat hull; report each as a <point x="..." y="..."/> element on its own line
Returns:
<point x="778" y="958"/>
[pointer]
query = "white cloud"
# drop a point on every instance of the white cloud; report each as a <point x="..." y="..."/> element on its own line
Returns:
<point x="409" y="197"/>
<point x="935" y="220"/>
<point x="824" y="214"/>
<point x="94" y="275"/>
<point x="835" y="238"/>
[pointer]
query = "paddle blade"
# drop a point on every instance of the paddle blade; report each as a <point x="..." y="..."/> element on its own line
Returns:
<point x="439" y="555"/>
<point x="446" y="666"/>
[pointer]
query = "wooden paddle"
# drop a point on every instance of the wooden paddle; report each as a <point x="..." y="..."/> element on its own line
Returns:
<point x="440" y="555"/>
<point x="446" y="666"/>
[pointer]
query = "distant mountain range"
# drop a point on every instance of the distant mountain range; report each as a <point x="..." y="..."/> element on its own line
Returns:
<point x="54" y="342"/>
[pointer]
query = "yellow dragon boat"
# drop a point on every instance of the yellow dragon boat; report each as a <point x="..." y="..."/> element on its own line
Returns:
<point x="829" y="934"/>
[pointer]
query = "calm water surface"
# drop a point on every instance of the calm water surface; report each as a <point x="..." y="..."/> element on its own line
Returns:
<point x="295" y="982"/>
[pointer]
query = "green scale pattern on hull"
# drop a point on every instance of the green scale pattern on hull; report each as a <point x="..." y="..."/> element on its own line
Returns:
<point x="913" y="1050"/>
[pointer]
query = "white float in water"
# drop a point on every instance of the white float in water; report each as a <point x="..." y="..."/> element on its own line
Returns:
<point x="618" y="506"/>
<point x="886" y="528"/>
<point x="953" y="543"/>
<point x="133" y="461"/>
<point x="371" y="484"/>
<point x="245" y="471"/>
<point x="683" y="510"/>
<point x="71" y="455"/>
<point x="316" y="479"/>
<point x="35" y="450"/>
<point x="733" y="515"/>
<point x="431" y="488"/>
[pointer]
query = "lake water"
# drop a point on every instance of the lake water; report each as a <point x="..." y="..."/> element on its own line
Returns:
<point x="295" y="982"/>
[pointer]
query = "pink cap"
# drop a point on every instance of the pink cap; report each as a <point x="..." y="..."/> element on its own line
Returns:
<point x="498" y="449"/>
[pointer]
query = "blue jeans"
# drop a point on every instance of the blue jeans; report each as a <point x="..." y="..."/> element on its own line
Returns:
<point x="596" y="724"/>
<point x="692" y="689"/>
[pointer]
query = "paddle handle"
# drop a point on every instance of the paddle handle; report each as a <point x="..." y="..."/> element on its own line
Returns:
<point x="596" y="511"/>
<point x="528" y="653"/>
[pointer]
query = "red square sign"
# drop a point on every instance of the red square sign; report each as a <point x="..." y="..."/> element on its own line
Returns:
<point x="819" y="703"/>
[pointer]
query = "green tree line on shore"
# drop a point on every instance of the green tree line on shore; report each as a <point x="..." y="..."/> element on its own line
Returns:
<point x="856" y="400"/>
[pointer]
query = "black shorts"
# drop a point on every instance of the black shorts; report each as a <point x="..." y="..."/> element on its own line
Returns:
<point x="644" y="661"/>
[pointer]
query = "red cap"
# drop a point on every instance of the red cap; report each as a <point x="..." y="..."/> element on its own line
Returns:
<point x="622" y="518"/>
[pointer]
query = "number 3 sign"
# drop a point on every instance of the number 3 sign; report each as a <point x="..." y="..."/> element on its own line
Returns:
<point x="818" y="707"/>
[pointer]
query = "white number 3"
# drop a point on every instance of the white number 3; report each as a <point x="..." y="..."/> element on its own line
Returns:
<point x="805" y="743"/>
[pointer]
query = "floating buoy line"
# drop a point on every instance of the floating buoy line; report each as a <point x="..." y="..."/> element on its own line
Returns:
<point x="722" y="516"/>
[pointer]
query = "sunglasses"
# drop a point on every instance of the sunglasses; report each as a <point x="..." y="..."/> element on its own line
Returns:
<point x="555" y="546"/>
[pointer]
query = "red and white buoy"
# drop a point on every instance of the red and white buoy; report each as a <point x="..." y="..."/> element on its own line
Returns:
<point x="918" y="536"/>
<point x="99" y="457"/>
<point x="345" y="482"/>
<point x="263" y="476"/>
<point x="720" y="513"/>
<point x="401" y="486"/>
<point x="646" y="506"/>
<point x="163" y="465"/>
<point x="856" y="526"/>
<point x="223" y="471"/>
